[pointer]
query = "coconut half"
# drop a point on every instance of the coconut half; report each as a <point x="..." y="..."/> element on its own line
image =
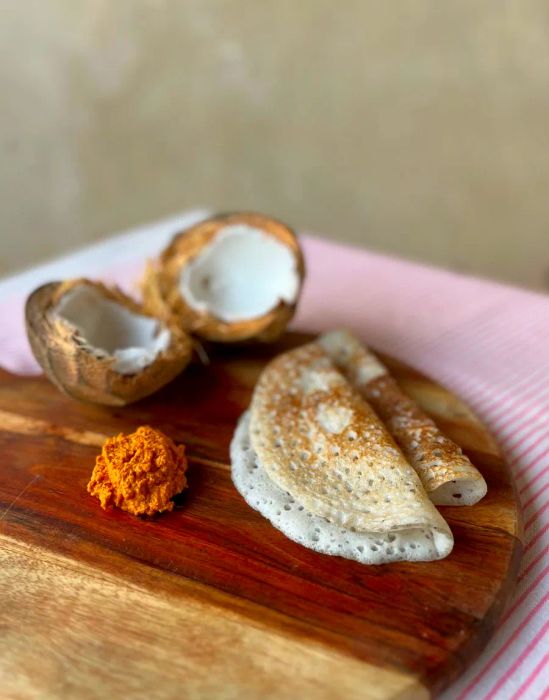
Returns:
<point x="230" y="278"/>
<point x="97" y="344"/>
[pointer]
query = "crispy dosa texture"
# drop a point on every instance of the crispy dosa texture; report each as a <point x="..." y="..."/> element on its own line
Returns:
<point x="313" y="531"/>
<point x="318" y="440"/>
<point x="446" y="473"/>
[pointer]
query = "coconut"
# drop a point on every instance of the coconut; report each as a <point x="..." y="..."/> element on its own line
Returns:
<point x="99" y="345"/>
<point x="231" y="278"/>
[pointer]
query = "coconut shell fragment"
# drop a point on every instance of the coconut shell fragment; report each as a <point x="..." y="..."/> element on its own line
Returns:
<point x="97" y="344"/>
<point x="231" y="278"/>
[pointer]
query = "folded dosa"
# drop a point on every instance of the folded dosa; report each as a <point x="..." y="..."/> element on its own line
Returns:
<point x="317" y="441"/>
<point x="446" y="473"/>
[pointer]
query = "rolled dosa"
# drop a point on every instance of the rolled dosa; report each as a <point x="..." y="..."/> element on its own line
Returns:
<point x="446" y="473"/>
<point x="313" y="439"/>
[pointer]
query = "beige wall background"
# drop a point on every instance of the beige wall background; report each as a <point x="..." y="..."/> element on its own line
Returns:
<point x="414" y="127"/>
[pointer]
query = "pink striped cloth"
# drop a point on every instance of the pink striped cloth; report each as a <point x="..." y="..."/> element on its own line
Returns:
<point x="486" y="341"/>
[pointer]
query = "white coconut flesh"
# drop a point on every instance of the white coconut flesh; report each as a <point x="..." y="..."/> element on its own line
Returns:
<point x="109" y="330"/>
<point x="315" y="532"/>
<point x="241" y="275"/>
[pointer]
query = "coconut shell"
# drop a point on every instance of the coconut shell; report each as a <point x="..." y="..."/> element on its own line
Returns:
<point x="71" y="365"/>
<point x="162" y="297"/>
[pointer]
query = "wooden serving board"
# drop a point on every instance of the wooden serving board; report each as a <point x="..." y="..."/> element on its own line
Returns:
<point x="210" y="601"/>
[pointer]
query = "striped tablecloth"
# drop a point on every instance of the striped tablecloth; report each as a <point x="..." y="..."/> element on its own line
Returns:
<point x="486" y="341"/>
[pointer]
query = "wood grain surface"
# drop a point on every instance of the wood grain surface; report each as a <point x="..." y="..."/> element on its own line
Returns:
<point x="210" y="601"/>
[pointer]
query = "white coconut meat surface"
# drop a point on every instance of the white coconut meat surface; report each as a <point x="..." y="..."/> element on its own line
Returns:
<point x="108" y="329"/>
<point x="317" y="533"/>
<point x="242" y="274"/>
